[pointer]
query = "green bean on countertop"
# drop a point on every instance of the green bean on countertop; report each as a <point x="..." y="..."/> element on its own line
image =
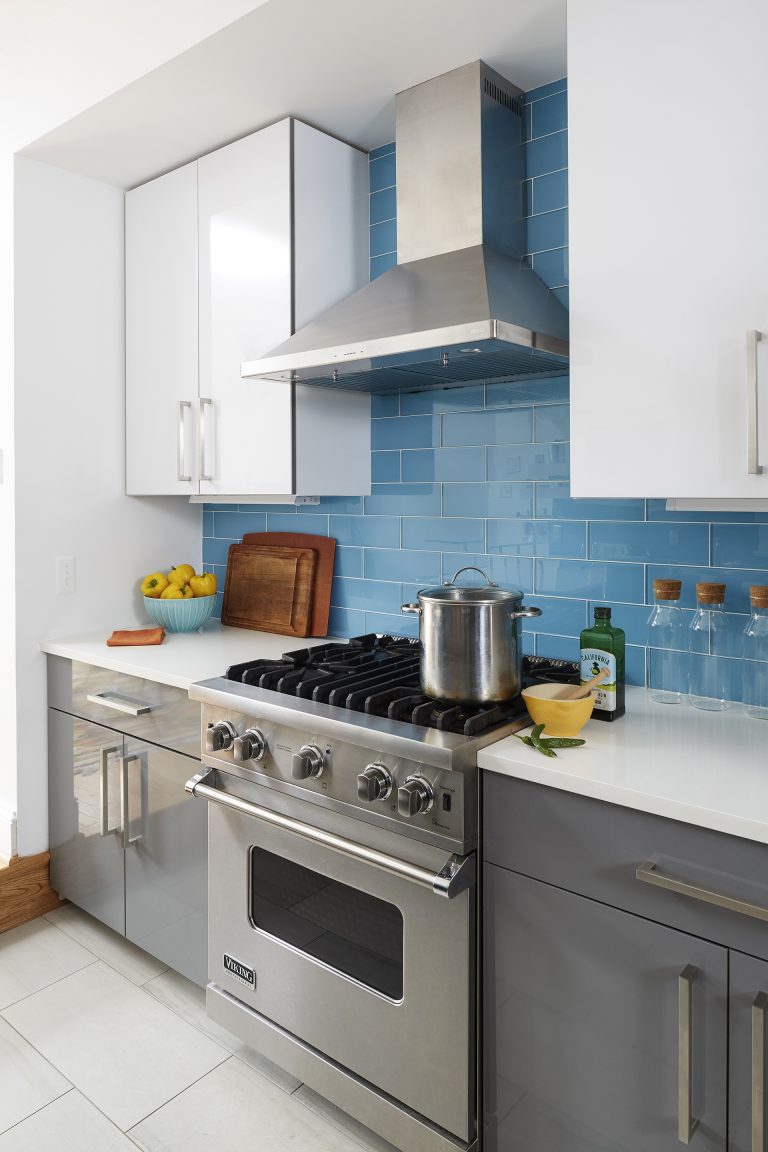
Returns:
<point x="547" y="744"/>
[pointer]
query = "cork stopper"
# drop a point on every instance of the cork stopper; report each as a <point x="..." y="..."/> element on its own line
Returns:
<point x="758" y="595"/>
<point x="710" y="593"/>
<point x="667" y="589"/>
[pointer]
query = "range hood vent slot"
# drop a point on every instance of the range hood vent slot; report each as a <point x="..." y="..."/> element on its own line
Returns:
<point x="502" y="97"/>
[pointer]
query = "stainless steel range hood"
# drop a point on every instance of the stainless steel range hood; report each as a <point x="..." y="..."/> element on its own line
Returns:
<point x="461" y="304"/>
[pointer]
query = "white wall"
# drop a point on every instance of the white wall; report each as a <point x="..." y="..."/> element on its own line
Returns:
<point x="56" y="60"/>
<point x="70" y="454"/>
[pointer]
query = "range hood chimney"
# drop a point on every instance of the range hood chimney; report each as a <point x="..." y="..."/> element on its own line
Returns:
<point x="462" y="303"/>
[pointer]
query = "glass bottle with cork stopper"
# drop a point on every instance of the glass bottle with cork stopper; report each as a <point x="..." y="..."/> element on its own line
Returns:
<point x="602" y="646"/>
<point x="708" y="671"/>
<point x="755" y="667"/>
<point x="667" y="645"/>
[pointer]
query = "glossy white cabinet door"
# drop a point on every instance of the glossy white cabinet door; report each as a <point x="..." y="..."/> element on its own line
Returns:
<point x="246" y="308"/>
<point x="161" y="335"/>
<point x="668" y="187"/>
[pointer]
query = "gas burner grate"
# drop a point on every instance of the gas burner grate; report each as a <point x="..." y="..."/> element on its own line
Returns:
<point x="379" y="675"/>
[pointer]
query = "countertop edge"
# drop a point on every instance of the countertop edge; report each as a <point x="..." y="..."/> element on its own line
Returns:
<point x="569" y="780"/>
<point x="114" y="664"/>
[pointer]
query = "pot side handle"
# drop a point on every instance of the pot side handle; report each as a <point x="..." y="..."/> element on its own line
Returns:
<point x="415" y="609"/>
<point x="527" y="611"/>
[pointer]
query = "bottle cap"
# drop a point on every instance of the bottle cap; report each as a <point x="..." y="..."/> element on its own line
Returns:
<point x="667" y="589"/>
<point x="758" y="595"/>
<point x="710" y="593"/>
<point x="602" y="613"/>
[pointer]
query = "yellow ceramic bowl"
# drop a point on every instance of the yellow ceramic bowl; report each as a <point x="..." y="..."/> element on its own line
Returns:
<point x="559" y="717"/>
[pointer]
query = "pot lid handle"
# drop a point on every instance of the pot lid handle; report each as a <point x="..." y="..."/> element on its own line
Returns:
<point x="469" y="568"/>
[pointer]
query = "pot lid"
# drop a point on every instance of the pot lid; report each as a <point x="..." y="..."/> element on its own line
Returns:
<point x="470" y="595"/>
<point x="490" y="593"/>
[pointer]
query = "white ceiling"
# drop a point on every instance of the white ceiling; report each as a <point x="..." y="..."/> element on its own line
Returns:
<point x="334" y="63"/>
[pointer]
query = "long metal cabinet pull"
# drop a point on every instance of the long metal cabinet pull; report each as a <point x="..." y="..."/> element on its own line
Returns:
<point x="105" y="755"/>
<point x="753" y="339"/>
<point x="181" y="450"/>
<point x="454" y="877"/>
<point x="120" y="703"/>
<point x="141" y="758"/>
<point x="686" y="1125"/>
<point x="648" y="874"/>
<point x="758" y="1071"/>
<point x="202" y="440"/>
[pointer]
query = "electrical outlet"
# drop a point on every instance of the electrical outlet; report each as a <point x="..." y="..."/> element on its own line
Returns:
<point x="65" y="575"/>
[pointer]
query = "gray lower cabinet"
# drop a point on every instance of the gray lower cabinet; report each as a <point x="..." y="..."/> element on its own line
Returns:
<point x="586" y="1010"/>
<point x="592" y="913"/>
<point x="748" y="982"/>
<point x="128" y="844"/>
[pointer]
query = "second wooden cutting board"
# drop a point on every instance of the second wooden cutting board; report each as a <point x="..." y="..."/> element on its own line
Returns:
<point x="269" y="589"/>
<point x="325" y="547"/>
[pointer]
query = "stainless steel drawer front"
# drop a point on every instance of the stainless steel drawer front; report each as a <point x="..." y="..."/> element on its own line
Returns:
<point x="160" y="713"/>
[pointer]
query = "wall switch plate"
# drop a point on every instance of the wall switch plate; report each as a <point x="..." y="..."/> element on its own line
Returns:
<point x="65" y="575"/>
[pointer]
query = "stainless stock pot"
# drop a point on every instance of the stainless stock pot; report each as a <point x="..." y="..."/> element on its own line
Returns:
<point x="470" y="640"/>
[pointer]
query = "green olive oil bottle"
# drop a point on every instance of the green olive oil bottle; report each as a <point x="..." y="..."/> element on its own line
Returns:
<point x="602" y="646"/>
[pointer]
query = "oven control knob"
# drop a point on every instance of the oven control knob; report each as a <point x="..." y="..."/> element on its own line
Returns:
<point x="250" y="746"/>
<point x="219" y="737"/>
<point x="308" y="761"/>
<point x="374" y="783"/>
<point x="414" y="796"/>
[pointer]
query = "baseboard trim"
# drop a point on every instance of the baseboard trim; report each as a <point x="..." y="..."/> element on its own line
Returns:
<point x="25" y="892"/>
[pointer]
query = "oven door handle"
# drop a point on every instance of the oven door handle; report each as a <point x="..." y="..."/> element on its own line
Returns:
<point x="456" y="875"/>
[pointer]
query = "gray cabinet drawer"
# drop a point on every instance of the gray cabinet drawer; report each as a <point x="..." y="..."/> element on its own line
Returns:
<point x="110" y="698"/>
<point x="594" y="849"/>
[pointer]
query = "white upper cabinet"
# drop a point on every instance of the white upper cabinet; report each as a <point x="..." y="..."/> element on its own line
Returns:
<point x="668" y="187"/>
<point x="161" y="335"/>
<point x="264" y="234"/>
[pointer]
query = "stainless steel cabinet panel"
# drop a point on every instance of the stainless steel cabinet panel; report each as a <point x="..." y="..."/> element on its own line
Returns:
<point x="747" y="1118"/>
<point x="594" y="848"/>
<point x="84" y="816"/>
<point x="170" y="719"/>
<point x="166" y="906"/>
<point x="582" y="1021"/>
<point x="136" y="855"/>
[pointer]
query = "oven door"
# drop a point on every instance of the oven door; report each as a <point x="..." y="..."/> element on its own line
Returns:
<point x="344" y="944"/>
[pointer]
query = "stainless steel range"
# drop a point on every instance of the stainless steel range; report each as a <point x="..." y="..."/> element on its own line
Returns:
<point x="342" y="879"/>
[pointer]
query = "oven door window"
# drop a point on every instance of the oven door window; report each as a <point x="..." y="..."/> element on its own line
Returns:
<point x="357" y="934"/>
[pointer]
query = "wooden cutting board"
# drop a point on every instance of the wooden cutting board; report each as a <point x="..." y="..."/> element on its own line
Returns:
<point x="325" y="549"/>
<point x="270" y="589"/>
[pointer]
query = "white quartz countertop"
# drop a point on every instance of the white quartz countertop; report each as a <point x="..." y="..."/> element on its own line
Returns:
<point x="704" y="768"/>
<point x="182" y="658"/>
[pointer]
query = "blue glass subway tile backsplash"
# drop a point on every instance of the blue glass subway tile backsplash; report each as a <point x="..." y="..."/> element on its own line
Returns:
<point x="478" y="474"/>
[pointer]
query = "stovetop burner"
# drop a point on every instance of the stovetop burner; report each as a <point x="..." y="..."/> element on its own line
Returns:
<point x="378" y="675"/>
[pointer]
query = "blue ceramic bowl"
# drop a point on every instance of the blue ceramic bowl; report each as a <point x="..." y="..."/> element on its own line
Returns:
<point x="180" y="615"/>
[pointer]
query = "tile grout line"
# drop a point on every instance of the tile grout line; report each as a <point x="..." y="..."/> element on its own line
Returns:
<point x="42" y="1107"/>
<point x="229" y="1056"/>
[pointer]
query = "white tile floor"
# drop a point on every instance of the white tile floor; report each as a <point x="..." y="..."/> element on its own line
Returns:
<point x="102" y="1049"/>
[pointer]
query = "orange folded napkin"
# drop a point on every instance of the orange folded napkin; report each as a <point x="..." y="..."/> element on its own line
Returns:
<point x="136" y="636"/>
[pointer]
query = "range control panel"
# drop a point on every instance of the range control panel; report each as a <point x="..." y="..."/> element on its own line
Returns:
<point x="371" y="783"/>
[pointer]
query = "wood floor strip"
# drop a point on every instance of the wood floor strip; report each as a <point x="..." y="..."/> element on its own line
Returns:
<point x="24" y="890"/>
